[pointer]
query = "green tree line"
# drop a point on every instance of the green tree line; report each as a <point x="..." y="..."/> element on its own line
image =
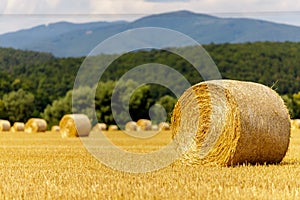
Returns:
<point x="36" y="84"/>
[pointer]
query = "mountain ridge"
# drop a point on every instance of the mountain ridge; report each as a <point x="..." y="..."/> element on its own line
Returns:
<point x="66" y="39"/>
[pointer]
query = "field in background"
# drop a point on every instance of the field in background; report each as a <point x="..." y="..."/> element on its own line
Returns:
<point x="39" y="166"/>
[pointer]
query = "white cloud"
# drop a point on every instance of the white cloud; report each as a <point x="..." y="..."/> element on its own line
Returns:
<point x="22" y="7"/>
<point x="3" y="6"/>
<point x="53" y="3"/>
<point x="143" y="6"/>
<point x="47" y="7"/>
<point x="117" y="6"/>
<point x="167" y="1"/>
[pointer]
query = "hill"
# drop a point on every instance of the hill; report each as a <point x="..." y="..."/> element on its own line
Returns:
<point x="65" y="39"/>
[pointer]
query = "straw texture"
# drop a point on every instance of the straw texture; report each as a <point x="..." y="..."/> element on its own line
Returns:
<point x="75" y="125"/>
<point x="4" y="125"/>
<point x="100" y="127"/>
<point x="144" y="124"/>
<point x="113" y="128"/>
<point x="154" y="127"/>
<point x="226" y="122"/>
<point x="55" y="128"/>
<point x="131" y="126"/>
<point x="17" y="127"/>
<point x="295" y="123"/>
<point x="35" y="125"/>
<point x="163" y="126"/>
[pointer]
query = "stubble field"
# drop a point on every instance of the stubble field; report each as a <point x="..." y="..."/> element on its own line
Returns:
<point x="45" y="166"/>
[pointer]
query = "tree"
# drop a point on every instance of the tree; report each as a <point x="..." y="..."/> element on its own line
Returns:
<point x="168" y="102"/>
<point x="19" y="105"/>
<point x="83" y="102"/>
<point x="293" y="104"/>
<point x="75" y="101"/>
<point x="53" y="113"/>
<point x="296" y="105"/>
<point x="140" y="103"/>
<point x="3" y="113"/>
<point x="290" y="104"/>
<point x="103" y="102"/>
<point x="124" y="93"/>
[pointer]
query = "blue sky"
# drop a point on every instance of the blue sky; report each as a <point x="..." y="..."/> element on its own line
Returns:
<point x="20" y="14"/>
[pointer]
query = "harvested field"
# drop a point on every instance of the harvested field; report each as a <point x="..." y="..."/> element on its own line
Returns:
<point x="46" y="166"/>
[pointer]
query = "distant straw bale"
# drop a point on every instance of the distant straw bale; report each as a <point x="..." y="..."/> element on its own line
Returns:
<point x="145" y="124"/>
<point x="4" y="125"/>
<point x="17" y="127"/>
<point x="154" y="127"/>
<point x="164" y="126"/>
<point x="75" y="125"/>
<point x="100" y="127"/>
<point x="228" y="122"/>
<point x="55" y="128"/>
<point x="113" y="128"/>
<point x="35" y="125"/>
<point x="131" y="126"/>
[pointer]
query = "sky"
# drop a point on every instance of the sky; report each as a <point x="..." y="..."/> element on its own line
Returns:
<point x="22" y="14"/>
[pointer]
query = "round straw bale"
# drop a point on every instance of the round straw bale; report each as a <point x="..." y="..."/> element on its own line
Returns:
<point x="4" y="125"/>
<point x="131" y="126"/>
<point x="75" y="125"/>
<point x="100" y="127"/>
<point x="17" y="127"/>
<point x="145" y="124"/>
<point x="35" y="125"/>
<point x="55" y="128"/>
<point x="163" y="126"/>
<point x="228" y="122"/>
<point x="113" y="128"/>
<point x="154" y="127"/>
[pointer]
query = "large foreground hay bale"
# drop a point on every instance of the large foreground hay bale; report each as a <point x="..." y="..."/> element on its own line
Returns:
<point x="4" y="125"/>
<point x="55" y="128"/>
<point x="17" y="127"/>
<point x="35" y="125"/>
<point x="228" y="122"/>
<point x="113" y="128"/>
<point x="75" y="125"/>
<point x="100" y="127"/>
<point x="131" y="126"/>
<point x="164" y="126"/>
<point x="145" y="124"/>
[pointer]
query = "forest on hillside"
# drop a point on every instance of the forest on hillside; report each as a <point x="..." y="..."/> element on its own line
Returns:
<point x="34" y="84"/>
